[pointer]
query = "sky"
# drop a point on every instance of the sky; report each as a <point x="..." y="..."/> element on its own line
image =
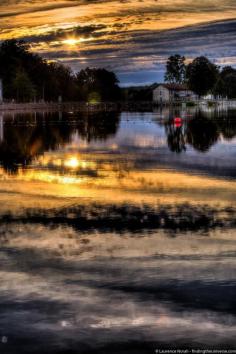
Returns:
<point x="131" y="37"/>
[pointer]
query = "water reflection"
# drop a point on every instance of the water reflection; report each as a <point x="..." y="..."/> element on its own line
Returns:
<point x="117" y="232"/>
<point x="176" y="137"/>
<point x="27" y="136"/>
<point x="200" y="131"/>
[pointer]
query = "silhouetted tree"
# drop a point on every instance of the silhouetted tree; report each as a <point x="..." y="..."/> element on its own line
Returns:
<point x="98" y="85"/>
<point x="202" y="75"/>
<point x="226" y="83"/>
<point x="175" y="69"/>
<point x="22" y="71"/>
<point x="138" y="93"/>
<point x="23" y="87"/>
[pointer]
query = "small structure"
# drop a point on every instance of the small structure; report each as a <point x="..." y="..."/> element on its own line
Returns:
<point x="1" y="128"/>
<point x="169" y="93"/>
<point x="1" y="92"/>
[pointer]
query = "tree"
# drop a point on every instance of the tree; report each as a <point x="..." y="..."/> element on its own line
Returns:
<point x="202" y="75"/>
<point x="19" y="64"/>
<point x="98" y="85"/>
<point x="226" y="70"/>
<point x="226" y="83"/>
<point x="23" y="87"/>
<point x="175" y="69"/>
<point x="219" y="88"/>
<point x="22" y="71"/>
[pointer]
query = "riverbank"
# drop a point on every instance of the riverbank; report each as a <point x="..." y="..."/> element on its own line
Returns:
<point x="107" y="106"/>
<point x="76" y="106"/>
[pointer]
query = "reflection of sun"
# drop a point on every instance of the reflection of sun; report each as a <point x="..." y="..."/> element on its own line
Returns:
<point x="72" y="162"/>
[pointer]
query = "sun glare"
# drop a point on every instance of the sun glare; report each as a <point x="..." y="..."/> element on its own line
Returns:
<point x="72" y="162"/>
<point x="74" y="41"/>
<point x="71" y="41"/>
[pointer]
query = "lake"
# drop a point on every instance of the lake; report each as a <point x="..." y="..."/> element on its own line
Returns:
<point x="118" y="231"/>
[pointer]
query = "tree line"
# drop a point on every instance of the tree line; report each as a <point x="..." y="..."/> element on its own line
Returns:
<point x="201" y="76"/>
<point x="28" y="77"/>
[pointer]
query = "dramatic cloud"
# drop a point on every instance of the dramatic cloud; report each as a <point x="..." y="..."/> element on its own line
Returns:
<point x="133" y="37"/>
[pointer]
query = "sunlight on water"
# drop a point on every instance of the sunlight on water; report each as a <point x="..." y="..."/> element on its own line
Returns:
<point x="120" y="228"/>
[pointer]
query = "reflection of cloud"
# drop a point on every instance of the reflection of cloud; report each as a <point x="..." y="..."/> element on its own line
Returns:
<point x="56" y="283"/>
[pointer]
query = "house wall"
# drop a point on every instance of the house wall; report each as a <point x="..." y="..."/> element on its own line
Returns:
<point x="161" y="95"/>
<point x="186" y="94"/>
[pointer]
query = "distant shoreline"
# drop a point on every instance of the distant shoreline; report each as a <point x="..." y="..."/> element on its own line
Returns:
<point x="75" y="106"/>
<point x="103" y="106"/>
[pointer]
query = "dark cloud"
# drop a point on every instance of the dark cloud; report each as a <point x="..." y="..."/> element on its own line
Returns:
<point x="84" y="31"/>
<point x="126" y="36"/>
<point x="142" y="55"/>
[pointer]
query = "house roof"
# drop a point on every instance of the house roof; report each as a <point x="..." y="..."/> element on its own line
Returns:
<point x="175" y="87"/>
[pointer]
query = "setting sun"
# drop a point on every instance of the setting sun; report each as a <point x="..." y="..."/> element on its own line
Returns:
<point x="71" y="41"/>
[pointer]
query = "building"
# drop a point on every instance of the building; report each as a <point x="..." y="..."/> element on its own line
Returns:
<point x="168" y="93"/>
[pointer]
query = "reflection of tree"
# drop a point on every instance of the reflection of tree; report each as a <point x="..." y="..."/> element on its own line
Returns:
<point x="227" y="125"/>
<point x="175" y="138"/>
<point x="28" y="139"/>
<point x="98" y="126"/>
<point x="228" y="129"/>
<point x="202" y="133"/>
<point x="28" y="136"/>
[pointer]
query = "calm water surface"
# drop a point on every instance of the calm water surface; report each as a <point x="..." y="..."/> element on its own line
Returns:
<point x="117" y="232"/>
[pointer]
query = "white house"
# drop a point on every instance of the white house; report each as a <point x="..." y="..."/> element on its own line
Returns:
<point x="167" y="93"/>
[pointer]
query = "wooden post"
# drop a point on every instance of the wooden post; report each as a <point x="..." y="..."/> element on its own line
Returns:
<point x="1" y="128"/>
<point x="1" y="92"/>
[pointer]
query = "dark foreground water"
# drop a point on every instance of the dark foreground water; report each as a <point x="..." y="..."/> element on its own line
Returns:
<point x="117" y="232"/>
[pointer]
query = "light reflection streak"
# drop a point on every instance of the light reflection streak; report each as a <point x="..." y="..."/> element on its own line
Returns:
<point x="55" y="280"/>
<point x="72" y="163"/>
<point x="84" y="308"/>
